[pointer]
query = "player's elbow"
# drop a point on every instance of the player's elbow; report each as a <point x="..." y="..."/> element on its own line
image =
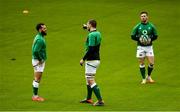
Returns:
<point x="133" y="37"/>
<point x="155" y="37"/>
<point x="36" y="53"/>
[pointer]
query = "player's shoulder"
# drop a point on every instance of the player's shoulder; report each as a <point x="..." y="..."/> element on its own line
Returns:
<point x="137" y="25"/>
<point x="38" y="38"/>
<point x="151" y="24"/>
<point x="94" y="33"/>
<point x="98" y="32"/>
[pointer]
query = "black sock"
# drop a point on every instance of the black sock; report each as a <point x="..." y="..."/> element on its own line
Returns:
<point x="143" y="71"/>
<point x="150" y="69"/>
<point x="35" y="91"/>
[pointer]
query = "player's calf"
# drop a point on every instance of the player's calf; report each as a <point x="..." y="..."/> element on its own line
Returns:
<point x="150" y="69"/>
<point x="142" y="70"/>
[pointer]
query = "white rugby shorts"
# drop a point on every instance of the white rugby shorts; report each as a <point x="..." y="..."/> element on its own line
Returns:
<point x="37" y="67"/>
<point x="91" y="66"/>
<point x="143" y="51"/>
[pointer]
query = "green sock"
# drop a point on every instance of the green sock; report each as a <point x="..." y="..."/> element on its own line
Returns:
<point x="89" y="92"/>
<point x="35" y="91"/>
<point x="143" y="71"/>
<point x="97" y="92"/>
<point x="149" y="70"/>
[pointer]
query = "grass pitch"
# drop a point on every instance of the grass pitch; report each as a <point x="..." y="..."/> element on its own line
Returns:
<point x="63" y="83"/>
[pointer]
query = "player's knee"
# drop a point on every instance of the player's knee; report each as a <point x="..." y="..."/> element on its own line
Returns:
<point x="89" y="78"/>
<point x="37" y="80"/>
<point x="37" y="77"/>
<point x="91" y="82"/>
<point x="151" y="65"/>
<point x="141" y="60"/>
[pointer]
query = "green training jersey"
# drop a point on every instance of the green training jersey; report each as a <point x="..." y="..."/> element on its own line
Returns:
<point x="92" y="46"/>
<point x="147" y="30"/>
<point x="39" y="48"/>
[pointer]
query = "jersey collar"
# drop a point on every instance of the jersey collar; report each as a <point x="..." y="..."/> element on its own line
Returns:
<point x="144" y="23"/>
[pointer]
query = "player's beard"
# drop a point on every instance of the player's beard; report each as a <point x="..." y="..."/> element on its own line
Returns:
<point x="43" y="33"/>
<point x="88" y="29"/>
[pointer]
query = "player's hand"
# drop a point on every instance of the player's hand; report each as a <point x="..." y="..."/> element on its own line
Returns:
<point x="148" y="40"/>
<point x="81" y="62"/>
<point x="145" y="40"/>
<point x="141" y="39"/>
<point x="84" y="26"/>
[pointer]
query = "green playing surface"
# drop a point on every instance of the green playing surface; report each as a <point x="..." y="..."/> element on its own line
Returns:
<point x="63" y="84"/>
